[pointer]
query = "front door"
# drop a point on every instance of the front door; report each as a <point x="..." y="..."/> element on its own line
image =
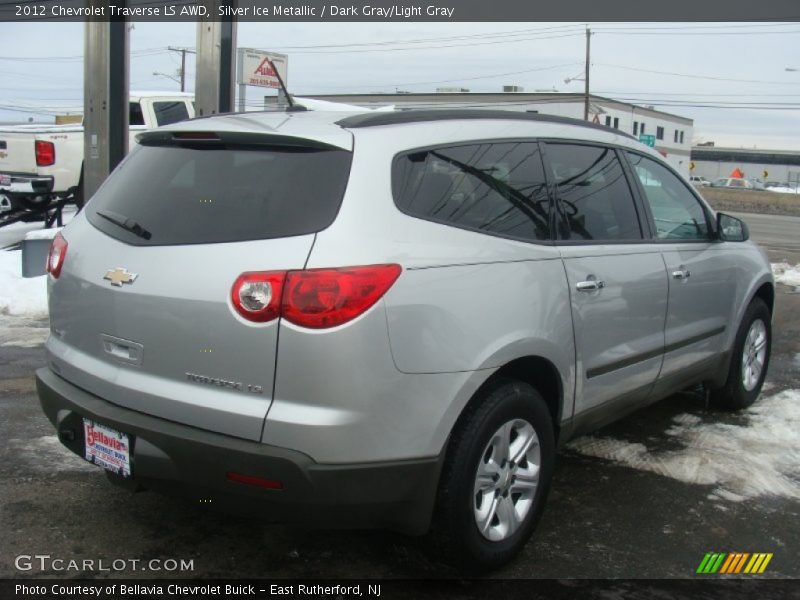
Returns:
<point x="702" y="272"/>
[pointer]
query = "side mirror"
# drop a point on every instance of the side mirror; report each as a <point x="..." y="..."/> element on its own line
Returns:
<point x="731" y="229"/>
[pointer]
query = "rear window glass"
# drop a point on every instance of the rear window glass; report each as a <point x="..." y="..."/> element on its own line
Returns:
<point x="194" y="195"/>
<point x="495" y="188"/>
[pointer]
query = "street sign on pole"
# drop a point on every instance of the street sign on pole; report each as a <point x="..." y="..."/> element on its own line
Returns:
<point x="648" y="140"/>
<point x="253" y="68"/>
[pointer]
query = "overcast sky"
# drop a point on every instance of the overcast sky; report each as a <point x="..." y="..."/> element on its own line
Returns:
<point x="706" y="72"/>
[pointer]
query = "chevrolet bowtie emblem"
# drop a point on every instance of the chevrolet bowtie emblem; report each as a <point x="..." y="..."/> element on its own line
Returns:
<point x="119" y="276"/>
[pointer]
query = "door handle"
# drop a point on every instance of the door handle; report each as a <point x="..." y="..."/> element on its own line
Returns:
<point x="590" y="285"/>
<point x="681" y="273"/>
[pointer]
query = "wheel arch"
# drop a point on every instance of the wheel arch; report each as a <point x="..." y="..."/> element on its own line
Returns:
<point x="538" y="372"/>
<point x="767" y="293"/>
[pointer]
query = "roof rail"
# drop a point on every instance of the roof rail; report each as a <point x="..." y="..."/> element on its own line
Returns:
<point x="374" y="119"/>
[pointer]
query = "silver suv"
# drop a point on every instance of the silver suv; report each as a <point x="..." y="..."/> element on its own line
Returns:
<point x="389" y="319"/>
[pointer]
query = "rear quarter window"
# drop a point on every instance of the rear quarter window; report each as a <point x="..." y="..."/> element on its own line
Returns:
<point x="493" y="188"/>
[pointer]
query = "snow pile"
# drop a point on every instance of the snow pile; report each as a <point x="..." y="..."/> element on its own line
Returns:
<point x="20" y="296"/>
<point x="784" y="190"/>
<point x="786" y="274"/>
<point x="23" y="332"/>
<point x="758" y="456"/>
<point x="47" y="455"/>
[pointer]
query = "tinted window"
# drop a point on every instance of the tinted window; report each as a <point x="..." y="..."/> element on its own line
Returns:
<point x="170" y="112"/>
<point x="135" y="115"/>
<point x="676" y="212"/>
<point x="496" y="188"/>
<point x="187" y="195"/>
<point x="594" y="200"/>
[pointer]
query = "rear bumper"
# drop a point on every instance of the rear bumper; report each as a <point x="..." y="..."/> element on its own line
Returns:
<point x="194" y="463"/>
<point x="24" y="183"/>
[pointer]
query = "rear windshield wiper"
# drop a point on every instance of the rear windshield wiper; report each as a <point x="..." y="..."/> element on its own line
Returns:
<point x="126" y="223"/>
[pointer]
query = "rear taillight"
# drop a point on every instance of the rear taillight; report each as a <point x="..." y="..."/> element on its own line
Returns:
<point x="322" y="298"/>
<point x="257" y="296"/>
<point x="56" y="256"/>
<point x="317" y="298"/>
<point x="45" y="153"/>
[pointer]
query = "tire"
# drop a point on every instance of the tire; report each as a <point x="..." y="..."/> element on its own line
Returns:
<point x="36" y="203"/>
<point x="749" y="360"/>
<point x="508" y="499"/>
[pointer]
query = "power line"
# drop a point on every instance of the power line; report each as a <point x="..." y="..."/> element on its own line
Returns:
<point x="439" y="47"/>
<point x="707" y="77"/>
<point x="499" y="34"/>
<point x="143" y="52"/>
<point x="649" y="33"/>
<point x="695" y="94"/>
<point x="488" y="76"/>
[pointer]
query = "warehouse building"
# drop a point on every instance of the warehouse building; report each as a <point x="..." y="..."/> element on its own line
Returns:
<point x="781" y="166"/>
<point x="671" y="134"/>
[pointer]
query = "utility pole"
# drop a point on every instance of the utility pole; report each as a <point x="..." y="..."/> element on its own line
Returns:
<point x="105" y="98"/>
<point x="586" y="75"/>
<point x="183" y="52"/>
<point x="216" y="61"/>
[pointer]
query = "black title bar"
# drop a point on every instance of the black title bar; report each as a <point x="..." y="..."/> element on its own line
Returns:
<point x="404" y="11"/>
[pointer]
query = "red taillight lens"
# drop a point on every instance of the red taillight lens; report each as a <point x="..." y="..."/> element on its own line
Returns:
<point x="257" y="296"/>
<point x="317" y="298"/>
<point x="56" y="256"/>
<point x="321" y="298"/>
<point x="45" y="153"/>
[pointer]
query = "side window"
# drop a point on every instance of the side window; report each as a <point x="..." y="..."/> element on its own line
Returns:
<point x="677" y="213"/>
<point x="135" y="115"/>
<point x="594" y="199"/>
<point x="496" y="188"/>
<point x="170" y="112"/>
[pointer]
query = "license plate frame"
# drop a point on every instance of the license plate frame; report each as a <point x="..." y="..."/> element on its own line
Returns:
<point x="106" y="447"/>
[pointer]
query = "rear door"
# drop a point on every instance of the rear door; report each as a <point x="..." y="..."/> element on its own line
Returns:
<point x="617" y="281"/>
<point x="141" y="314"/>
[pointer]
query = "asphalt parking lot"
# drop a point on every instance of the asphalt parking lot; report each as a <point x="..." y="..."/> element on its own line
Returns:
<point x="614" y="510"/>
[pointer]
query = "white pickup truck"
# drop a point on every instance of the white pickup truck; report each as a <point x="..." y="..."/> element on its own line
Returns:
<point x="41" y="162"/>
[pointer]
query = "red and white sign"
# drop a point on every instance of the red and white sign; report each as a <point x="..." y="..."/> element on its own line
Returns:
<point x="107" y="448"/>
<point x="258" y="68"/>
